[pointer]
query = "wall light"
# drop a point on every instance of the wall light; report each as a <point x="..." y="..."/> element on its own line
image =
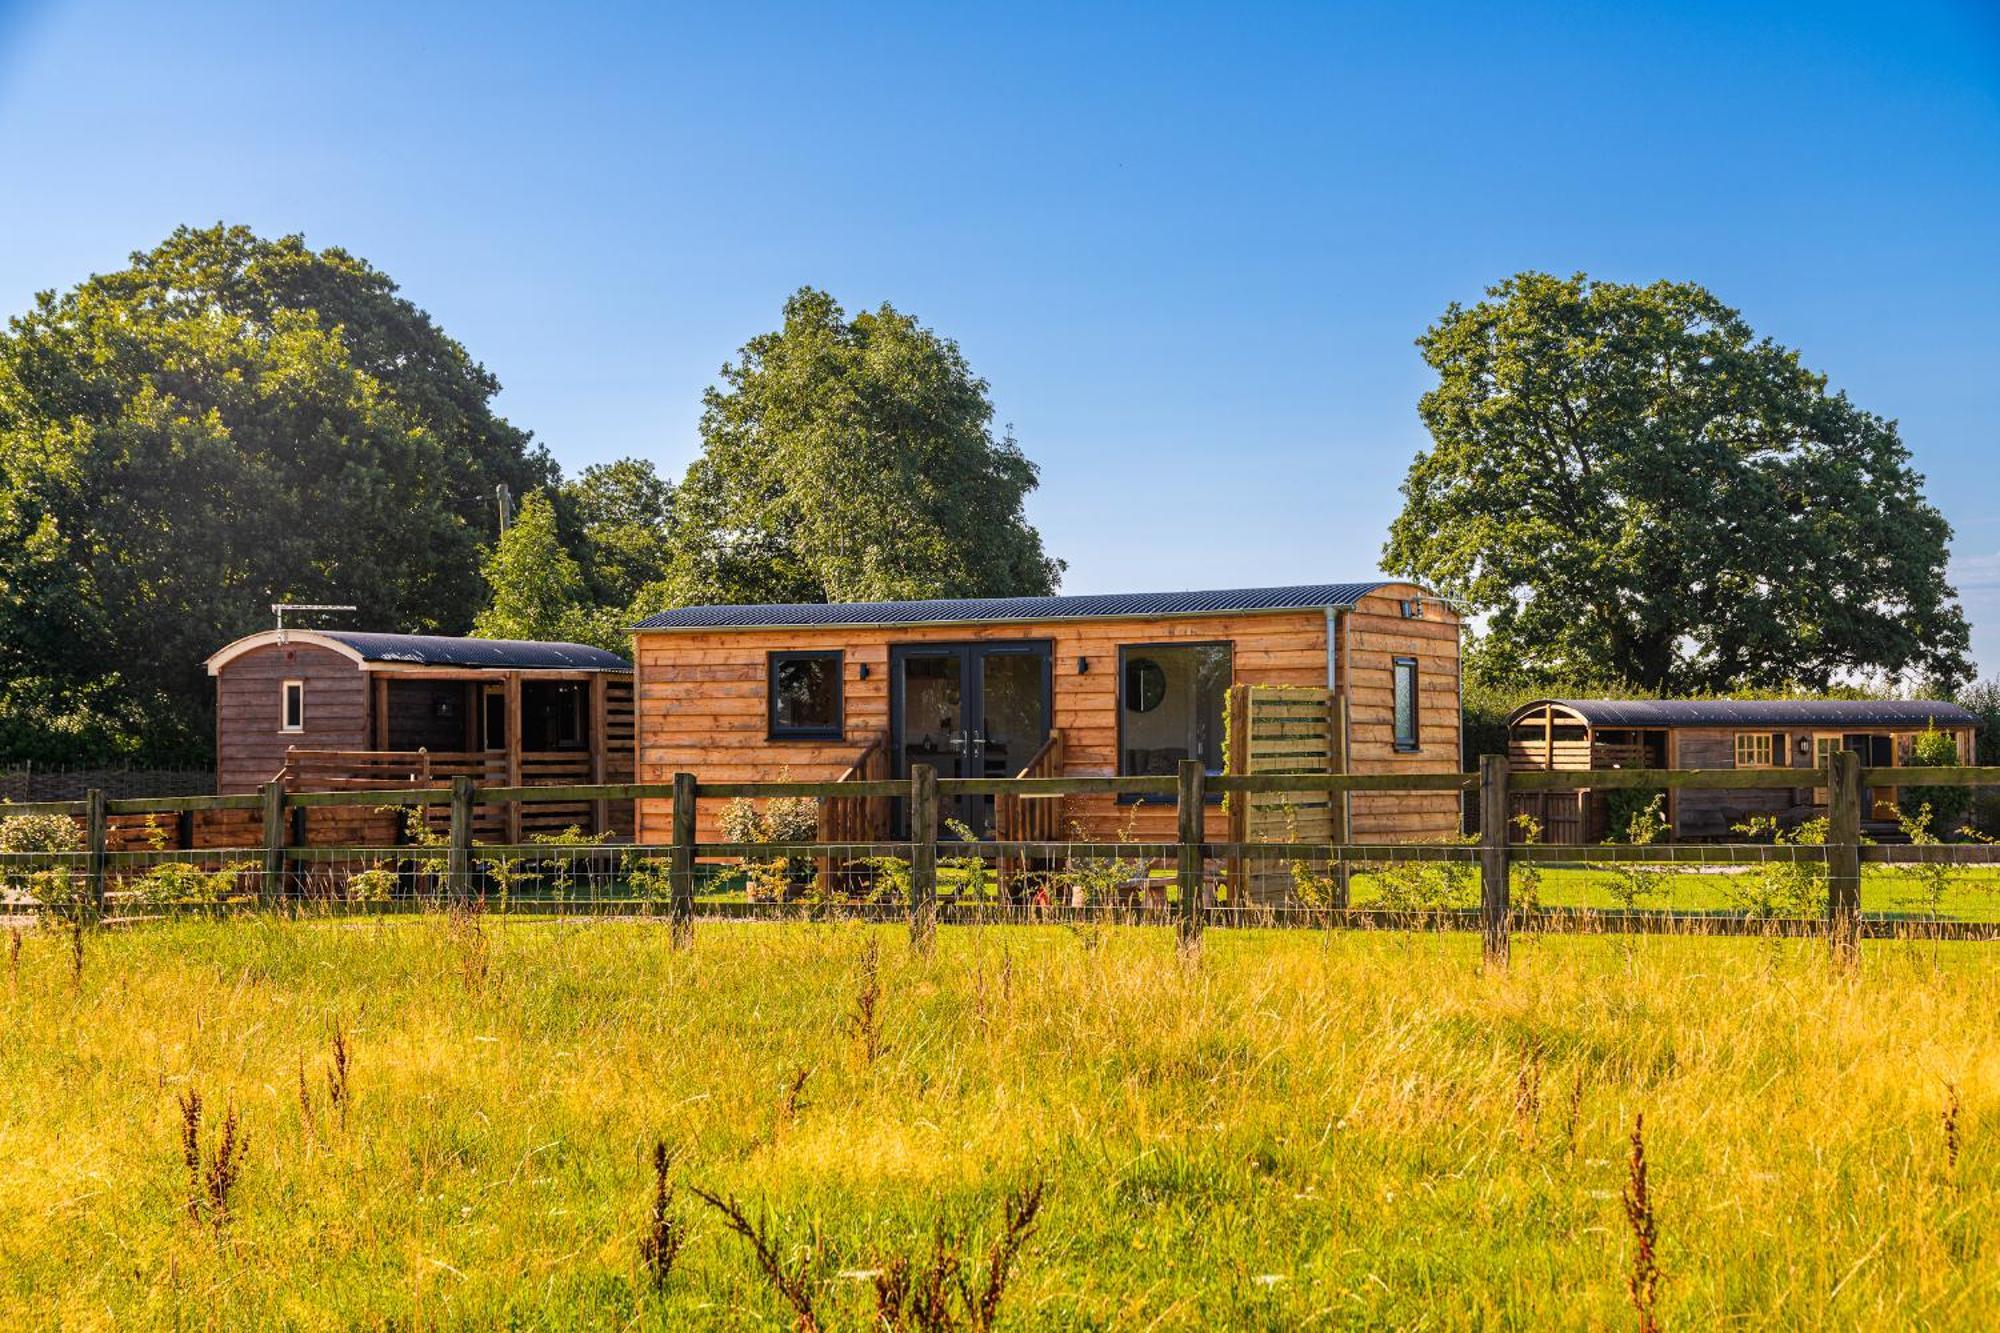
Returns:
<point x="1082" y="666"/>
<point x="864" y="671"/>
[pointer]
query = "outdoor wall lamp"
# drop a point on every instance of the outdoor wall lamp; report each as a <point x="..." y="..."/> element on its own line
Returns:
<point x="864" y="671"/>
<point x="1082" y="666"/>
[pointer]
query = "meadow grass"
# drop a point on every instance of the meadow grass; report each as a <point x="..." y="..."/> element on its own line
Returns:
<point x="1292" y="1129"/>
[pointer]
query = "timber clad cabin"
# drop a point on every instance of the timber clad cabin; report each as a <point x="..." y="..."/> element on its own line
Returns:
<point x="322" y="710"/>
<point x="1580" y="734"/>
<point x="1360" y="677"/>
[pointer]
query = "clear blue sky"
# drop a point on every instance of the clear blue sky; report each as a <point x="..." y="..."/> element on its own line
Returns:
<point x="1190" y="247"/>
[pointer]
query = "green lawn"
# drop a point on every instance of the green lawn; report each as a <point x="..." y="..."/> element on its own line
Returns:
<point x="1294" y="1129"/>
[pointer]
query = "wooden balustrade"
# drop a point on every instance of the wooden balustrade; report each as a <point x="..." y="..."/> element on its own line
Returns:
<point x="1030" y="818"/>
<point x="852" y="819"/>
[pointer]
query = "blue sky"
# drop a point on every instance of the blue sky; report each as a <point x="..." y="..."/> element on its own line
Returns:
<point x="1190" y="247"/>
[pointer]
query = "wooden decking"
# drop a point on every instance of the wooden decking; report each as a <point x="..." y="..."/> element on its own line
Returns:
<point x="389" y="770"/>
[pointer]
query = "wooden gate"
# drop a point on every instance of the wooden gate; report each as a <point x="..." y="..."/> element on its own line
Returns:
<point x="1282" y="729"/>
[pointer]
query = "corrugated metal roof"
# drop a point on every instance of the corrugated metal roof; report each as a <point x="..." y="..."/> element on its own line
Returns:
<point x="982" y="610"/>
<point x="499" y="654"/>
<point x="1760" y="712"/>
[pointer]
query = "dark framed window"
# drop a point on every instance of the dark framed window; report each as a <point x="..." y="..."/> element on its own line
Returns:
<point x="292" y="707"/>
<point x="805" y="695"/>
<point x="1171" y="698"/>
<point x="1407" y="734"/>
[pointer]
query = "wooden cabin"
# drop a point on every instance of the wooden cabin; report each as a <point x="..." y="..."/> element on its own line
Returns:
<point x="1716" y="733"/>
<point x="322" y="710"/>
<point x="1362" y="676"/>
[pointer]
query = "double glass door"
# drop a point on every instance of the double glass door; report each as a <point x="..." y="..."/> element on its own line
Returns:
<point x="972" y="710"/>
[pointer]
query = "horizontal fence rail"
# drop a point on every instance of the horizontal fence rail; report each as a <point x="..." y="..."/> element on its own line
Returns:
<point x="1191" y="880"/>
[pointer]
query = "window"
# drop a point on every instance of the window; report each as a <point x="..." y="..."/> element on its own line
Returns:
<point x="1753" y="749"/>
<point x="1170" y="701"/>
<point x="1405" y="669"/>
<point x="805" y="696"/>
<point x="292" y="708"/>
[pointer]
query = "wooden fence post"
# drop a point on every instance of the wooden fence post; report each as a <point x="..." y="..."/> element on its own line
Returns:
<point x="1493" y="856"/>
<point x="1191" y="807"/>
<point x="680" y="868"/>
<point x="96" y="828"/>
<point x="458" y="856"/>
<point x="923" y="857"/>
<point x="1843" y="855"/>
<point x="272" y="886"/>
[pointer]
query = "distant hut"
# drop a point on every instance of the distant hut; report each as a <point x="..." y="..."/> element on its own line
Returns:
<point x="322" y="710"/>
<point x="1578" y="734"/>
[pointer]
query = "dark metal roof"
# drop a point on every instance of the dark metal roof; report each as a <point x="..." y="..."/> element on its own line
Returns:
<point x="1759" y="712"/>
<point x="980" y="610"/>
<point x="499" y="654"/>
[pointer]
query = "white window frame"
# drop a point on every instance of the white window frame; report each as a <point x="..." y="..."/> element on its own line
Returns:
<point x="285" y="725"/>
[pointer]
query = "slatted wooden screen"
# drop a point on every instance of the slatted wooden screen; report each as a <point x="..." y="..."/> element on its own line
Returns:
<point x="1281" y="729"/>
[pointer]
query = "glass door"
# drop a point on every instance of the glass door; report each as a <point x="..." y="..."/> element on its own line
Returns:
<point x="978" y="710"/>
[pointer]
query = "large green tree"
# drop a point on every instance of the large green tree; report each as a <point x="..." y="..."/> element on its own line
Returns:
<point x="1627" y="483"/>
<point x="229" y="422"/>
<point x="537" y="588"/>
<point x="851" y="459"/>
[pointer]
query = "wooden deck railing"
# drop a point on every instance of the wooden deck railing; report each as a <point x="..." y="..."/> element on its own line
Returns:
<point x="853" y="819"/>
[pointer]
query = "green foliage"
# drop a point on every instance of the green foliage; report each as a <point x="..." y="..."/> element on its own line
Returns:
<point x="1429" y="886"/>
<point x="849" y="459"/>
<point x="1931" y="880"/>
<point x="1634" y="814"/>
<point x="620" y="514"/>
<point x="1774" y="890"/>
<point x="1628" y="484"/>
<point x="1948" y="806"/>
<point x="24" y="837"/>
<point x="781" y="819"/>
<point x="172" y="883"/>
<point x="1632" y="883"/>
<point x="228" y="422"/>
<point x="376" y="884"/>
<point x="535" y="587"/>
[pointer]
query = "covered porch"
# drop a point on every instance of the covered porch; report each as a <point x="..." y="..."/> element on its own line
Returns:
<point x="513" y="728"/>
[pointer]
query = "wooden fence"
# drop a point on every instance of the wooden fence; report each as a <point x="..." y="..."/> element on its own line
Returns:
<point x="1843" y="854"/>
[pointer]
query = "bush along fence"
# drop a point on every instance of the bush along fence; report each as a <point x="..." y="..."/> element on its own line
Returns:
<point x="101" y="860"/>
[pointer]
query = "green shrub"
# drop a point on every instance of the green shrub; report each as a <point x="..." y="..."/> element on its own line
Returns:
<point x="23" y="837"/>
<point x="1949" y="806"/>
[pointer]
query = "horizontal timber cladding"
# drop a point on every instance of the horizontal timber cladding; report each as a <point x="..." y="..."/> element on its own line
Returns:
<point x="249" y="740"/>
<point x="703" y="699"/>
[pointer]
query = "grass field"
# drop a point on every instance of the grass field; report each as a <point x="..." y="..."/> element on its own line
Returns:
<point x="1295" y="1130"/>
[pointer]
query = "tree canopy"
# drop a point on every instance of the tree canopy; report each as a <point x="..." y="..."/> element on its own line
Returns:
<point x="847" y="460"/>
<point x="536" y="587"/>
<point x="1627" y="483"/>
<point x="229" y="422"/>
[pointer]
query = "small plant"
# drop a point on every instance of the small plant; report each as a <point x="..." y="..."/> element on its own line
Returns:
<point x="666" y="1230"/>
<point x="782" y="819"/>
<point x="23" y="839"/>
<point x="1528" y="1094"/>
<point x="974" y="875"/>
<point x="1447" y="884"/>
<point x="1931" y="748"/>
<point x="1525" y="893"/>
<point x="1632" y="882"/>
<point x="376" y="884"/>
<point x="793" y="1282"/>
<point x="338" y="1093"/>
<point x="867" y="1020"/>
<point x="795" y="1095"/>
<point x="1644" y="1281"/>
<point x="892" y="878"/>
<point x="1785" y="888"/>
<point x="1931" y="879"/>
<point x="210" y="1182"/>
<point x="939" y="1296"/>
<point x="1950" y="1117"/>
<point x="172" y="883"/>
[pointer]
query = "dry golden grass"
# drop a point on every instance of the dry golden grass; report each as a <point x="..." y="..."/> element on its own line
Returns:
<point x="1293" y="1130"/>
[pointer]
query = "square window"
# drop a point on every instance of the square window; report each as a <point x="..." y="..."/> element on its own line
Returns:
<point x="1170" y="705"/>
<point x="1753" y="749"/>
<point x="805" y="695"/>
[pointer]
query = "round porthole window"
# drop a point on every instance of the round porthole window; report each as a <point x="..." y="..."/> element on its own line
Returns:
<point x="1145" y="684"/>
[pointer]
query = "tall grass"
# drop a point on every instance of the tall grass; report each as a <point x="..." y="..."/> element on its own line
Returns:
<point x="1299" y="1129"/>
